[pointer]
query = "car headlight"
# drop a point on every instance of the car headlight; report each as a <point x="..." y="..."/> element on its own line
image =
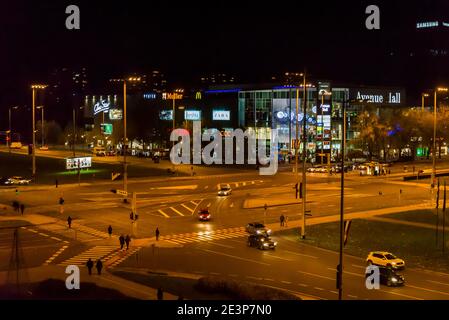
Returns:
<point x="275" y="243"/>
<point x="394" y="279"/>
<point x="258" y="231"/>
<point x="269" y="231"/>
<point x="265" y="244"/>
<point x="208" y="216"/>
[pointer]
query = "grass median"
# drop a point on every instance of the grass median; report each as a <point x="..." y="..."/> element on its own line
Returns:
<point x="416" y="245"/>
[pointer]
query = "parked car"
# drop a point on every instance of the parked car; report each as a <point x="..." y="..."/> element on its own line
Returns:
<point x="257" y="228"/>
<point x="261" y="241"/>
<point x="204" y="215"/>
<point x="99" y="151"/>
<point x="225" y="190"/>
<point x="17" y="180"/>
<point x="385" y="259"/>
<point x="16" y="145"/>
<point x="389" y="277"/>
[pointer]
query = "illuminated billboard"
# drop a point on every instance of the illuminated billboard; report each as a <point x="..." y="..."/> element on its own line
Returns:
<point x="166" y="115"/>
<point x="101" y="106"/>
<point x="106" y="128"/>
<point x="115" y="114"/>
<point x="78" y="163"/>
<point x="221" y="115"/>
<point x="192" y="115"/>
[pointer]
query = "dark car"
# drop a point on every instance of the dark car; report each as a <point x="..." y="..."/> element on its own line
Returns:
<point x="3" y="181"/>
<point x="261" y="241"/>
<point x="257" y="228"/>
<point x="390" y="277"/>
<point x="204" y="215"/>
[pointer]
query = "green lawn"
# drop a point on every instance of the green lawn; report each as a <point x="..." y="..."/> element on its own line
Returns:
<point x="422" y="216"/>
<point x="416" y="245"/>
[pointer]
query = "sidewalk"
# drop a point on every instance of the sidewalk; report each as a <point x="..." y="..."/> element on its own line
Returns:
<point x="348" y="216"/>
<point x="106" y="280"/>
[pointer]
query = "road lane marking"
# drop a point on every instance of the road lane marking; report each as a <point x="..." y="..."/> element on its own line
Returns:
<point x="163" y="213"/>
<point x="351" y="296"/>
<point x="33" y="230"/>
<point x="401" y="294"/>
<point x="430" y="290"/>
<point x="233" y="275"/>
<point x="194" y="203"/>
<point x="236" y="257"/>
<point x="303" y="285"/>
<point x="254" y="278"/>
<point x="43" y="234"/>
<point x="273" y="256"/>
<point x="357" y="266"/>
<point x="231" y="205"/>
<point x="190" y="209"/>
<point x="268" y="279"/>
<point x="350" y="273"/>
<point x="188" y="187"/>
<point x="206" y="187"/>
<point x="437" y="282"/>
<point x="315" y="275"/>
<point x="301" y="254"/>
<point x="209" y="204"/>
<point x="334" y="292"/>
<point x="318" y="288"/>
<point x="286" y="282"/>
<point x="54" y="238"/>
<point x="177" y="211"/>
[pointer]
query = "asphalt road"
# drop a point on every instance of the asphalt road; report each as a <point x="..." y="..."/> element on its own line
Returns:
<point x="172" y="203"/>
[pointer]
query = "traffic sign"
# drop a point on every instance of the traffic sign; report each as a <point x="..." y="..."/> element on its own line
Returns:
<point x="122" y="192"/>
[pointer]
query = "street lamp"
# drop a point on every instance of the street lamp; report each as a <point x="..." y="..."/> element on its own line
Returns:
<point x="9" y="139"/>
<point x="35" y="87"/>
<point x="439" y="89"/>
<point x="423" y="95"/>
<point x="125" y="137"/>
<point x="42" y="123"/>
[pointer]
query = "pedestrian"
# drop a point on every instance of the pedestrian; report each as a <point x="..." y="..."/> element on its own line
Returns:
<point x="17" y="192"/>
<point x="99" y="266"/>
<point x="122" y="241"/>
<point x="131" y="216"/>
<point x="69" y="221"/>
<point x="282" y="219"/>
<point x="160" y="294"/>
<point x="56" y="183"/>
<point x="110" y="231"/>
<point x="90" y="265"/>
<point x="22" y="208"/>
<point x="389" y="171"/>
<point x="16" y="205"/>
<point x="157" y="234"/>
<point x="286" y="221"/>
<point x="127" y="240"/>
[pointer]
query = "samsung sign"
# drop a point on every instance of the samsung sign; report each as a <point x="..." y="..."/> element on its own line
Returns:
<point x="221" y="115"/>
<point x="378" y="96"/>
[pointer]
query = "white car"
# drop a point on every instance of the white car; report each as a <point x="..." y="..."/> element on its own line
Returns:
<point x="225" y="190"/>
<point x="386" y="259"/>
<point x="17" y="180"/>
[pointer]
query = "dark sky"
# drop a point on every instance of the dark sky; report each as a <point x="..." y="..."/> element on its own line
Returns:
<point x="252" y="39"/>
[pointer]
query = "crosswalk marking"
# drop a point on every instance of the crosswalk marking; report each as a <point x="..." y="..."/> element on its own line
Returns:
<point x="127" y="254"/>
<point x="163" y="213"/>
<point x="54" y="256"/>
<point x="205" y="236"/>
<point x="195" y="203"/>
<point x="177" y="211"/>
<point x="95" y="253"/>
<point x="191" y="210"/>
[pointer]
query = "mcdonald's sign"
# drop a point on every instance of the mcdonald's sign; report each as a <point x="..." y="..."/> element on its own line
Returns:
<point x="198" y="95"/>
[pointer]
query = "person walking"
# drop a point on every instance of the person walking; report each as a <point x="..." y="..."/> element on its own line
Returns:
<point x="286" y="221"/>
<point x="110" y="231"/>
<point x="127" y="240"/>
<point x="282" y="219"/>
<point x="122" y="241"/>
<point x="157" y="234"/>
<point x="69" y="221"/>
<point x="99" y="266"/>
<point x="22" y="208"/>
<point x="131" y="216"/>
<point x="56" y="183"/>
<point x="160" y="294"/>
<point x="90" y="265"/>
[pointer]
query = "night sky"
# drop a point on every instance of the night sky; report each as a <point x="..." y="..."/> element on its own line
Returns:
<point x="251" y="39"/>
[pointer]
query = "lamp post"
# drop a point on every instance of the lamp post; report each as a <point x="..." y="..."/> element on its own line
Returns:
<point x="423" y="95"/>
<point x="9" y="140"/>
<point x="125" y="137"/>
<point x="34" y="87"/>
<point x="42" y="123"/>
<point x="440" y="89"/>
<point x="304" y="156"/>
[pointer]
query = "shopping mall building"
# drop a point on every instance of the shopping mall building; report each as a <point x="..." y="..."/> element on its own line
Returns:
<point x="258" y="108"/>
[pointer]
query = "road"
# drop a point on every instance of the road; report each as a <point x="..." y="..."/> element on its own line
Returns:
<point x="214" y="247"/>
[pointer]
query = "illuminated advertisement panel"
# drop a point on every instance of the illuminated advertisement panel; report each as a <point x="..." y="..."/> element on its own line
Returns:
<point x="78" y="163"/>
<point x="221" y="115"/>
<point x="166" y="115"/>
<point x="192" y="115"/>
<point x="115" y="114"/>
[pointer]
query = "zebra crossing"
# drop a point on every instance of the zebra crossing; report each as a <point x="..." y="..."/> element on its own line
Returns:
<point x="186" y="238"/>
<point x="120" y="256"/>
<point x="239" y="184"/>
<point x="98" y="252"/>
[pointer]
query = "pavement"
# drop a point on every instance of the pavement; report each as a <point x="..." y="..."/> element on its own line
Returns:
<point x="105" y="280"/>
